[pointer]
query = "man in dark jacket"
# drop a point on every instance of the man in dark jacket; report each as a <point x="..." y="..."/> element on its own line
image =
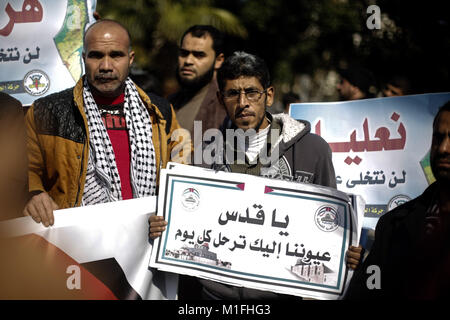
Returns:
<point x="277" y="147"/>
<point x="410" y="258"/>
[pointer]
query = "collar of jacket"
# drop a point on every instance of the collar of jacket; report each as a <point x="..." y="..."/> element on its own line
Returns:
<point x="292" y="130"/>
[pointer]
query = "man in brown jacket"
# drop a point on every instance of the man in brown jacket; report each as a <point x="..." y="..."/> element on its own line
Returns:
<point x="103" y="140"/>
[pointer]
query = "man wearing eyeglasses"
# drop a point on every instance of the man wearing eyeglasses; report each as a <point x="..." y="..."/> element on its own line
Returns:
<point x="200" y="56"/>
<point x="296" y="154"/>
<point x="245" y="92"/>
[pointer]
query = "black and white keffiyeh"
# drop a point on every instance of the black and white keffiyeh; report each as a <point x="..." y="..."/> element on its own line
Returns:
<point x="102" y="177"/>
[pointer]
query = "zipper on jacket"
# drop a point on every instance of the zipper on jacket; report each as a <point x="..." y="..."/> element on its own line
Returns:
<point x="79" y="178"/>
<point x="160" y="158"/>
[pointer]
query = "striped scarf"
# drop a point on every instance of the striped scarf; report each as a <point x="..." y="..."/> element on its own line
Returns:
<point x="102" y="176"/>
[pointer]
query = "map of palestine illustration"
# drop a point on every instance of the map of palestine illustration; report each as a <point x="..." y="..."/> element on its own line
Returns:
<point x="69" y="39"/>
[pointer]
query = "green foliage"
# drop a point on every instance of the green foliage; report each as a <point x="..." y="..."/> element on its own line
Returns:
<point x="298" y="36"/>
<point x="157" y="24"/>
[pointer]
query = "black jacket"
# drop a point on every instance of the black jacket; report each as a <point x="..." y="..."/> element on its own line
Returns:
<point x="413" y="262"/>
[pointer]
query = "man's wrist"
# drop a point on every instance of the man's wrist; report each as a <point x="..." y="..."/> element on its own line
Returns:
<point x="33" y="193"/>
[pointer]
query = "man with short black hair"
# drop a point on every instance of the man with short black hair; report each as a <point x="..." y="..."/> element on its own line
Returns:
<point x="397" y="86"/>
<point x="296" y="155"/>
<point x="200" y="56"/>
<point x="356" y="83"/>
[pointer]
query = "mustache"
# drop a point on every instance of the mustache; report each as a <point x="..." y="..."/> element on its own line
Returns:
<point x="244" y="111"/>
<point x="104" y="77"/>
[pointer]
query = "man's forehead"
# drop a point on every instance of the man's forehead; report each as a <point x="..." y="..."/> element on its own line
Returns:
<point x="106" y="44"/>
<point x="443" y="122"/>
<point x="201" y="44"/>
<point x="243" y="82"/>
<point x="195" y="52"/>
<point x="394" y="89"/>
<point x="107" y="31"/>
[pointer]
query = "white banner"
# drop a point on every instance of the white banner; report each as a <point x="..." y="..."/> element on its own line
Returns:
<point x="380" y="146"/>
<point x="41" y="43"/>
<point x="108" y="245"/>
<point x="255" y="232"/>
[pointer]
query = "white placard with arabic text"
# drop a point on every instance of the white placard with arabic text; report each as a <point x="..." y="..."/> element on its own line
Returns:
<point x="255" y="232"/>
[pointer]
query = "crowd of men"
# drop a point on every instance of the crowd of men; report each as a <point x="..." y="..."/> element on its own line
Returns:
<point x="106" y="140"/>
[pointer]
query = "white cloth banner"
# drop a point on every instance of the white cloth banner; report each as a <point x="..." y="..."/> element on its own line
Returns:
<point x="41" y="44"/>
<point x="380" y="146"/>
<point x="255" y="232"/>
<point x="113" y="234"/>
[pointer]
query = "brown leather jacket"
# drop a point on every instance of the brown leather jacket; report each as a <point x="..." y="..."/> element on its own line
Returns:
<point x="58" y="142"/>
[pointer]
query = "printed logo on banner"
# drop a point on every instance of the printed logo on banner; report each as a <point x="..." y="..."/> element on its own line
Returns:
<point x="327" y="218"/>
<point x="190" y="199"/>
<point x="36" y="82"/>
<point x="397" y="200"/>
